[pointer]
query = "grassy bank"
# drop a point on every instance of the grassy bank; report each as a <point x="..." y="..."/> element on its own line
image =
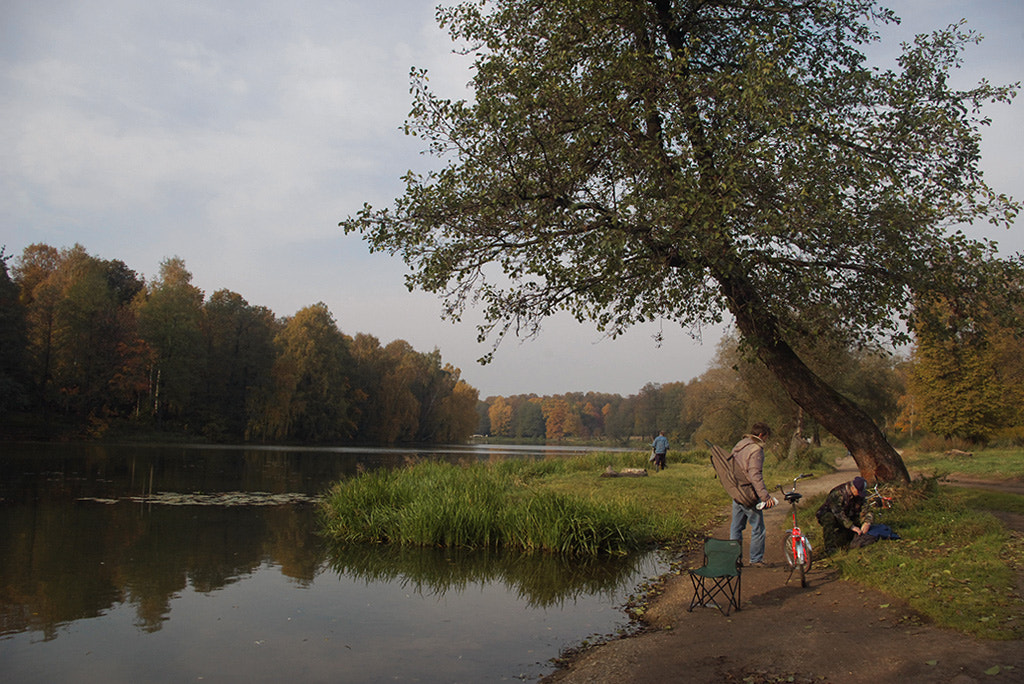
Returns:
<point x="956" y="563"/>
<point x="558" y="505"/>
<point x="987" y="464"/>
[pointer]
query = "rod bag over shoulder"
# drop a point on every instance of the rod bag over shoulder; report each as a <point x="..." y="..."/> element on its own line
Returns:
<point x="724" y="464"/>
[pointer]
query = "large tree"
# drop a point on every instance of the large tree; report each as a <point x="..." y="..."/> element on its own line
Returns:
<point x="686" y="159"/>
<point x="170" y="315"/>
<point x="13" y="342"/>
<point x="965" y="384"/>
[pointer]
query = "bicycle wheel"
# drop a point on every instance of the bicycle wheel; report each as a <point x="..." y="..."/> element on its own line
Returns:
<point x="798" y="555"/>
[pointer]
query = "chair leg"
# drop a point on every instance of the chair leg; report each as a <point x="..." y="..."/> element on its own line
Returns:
<point x="721" y="588"/>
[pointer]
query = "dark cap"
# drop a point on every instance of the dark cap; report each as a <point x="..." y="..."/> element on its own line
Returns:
<point x="860" y="484"/>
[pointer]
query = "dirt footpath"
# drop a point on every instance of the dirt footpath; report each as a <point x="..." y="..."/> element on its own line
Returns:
<point x="831" y="631"/>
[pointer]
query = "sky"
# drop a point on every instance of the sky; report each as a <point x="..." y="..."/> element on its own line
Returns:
<point x="236" y="134"/>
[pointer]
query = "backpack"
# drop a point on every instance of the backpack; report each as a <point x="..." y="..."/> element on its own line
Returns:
<point x="723" y="463"/>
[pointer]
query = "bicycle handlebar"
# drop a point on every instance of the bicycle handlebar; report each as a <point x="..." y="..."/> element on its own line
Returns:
<point x="798" y="477"/>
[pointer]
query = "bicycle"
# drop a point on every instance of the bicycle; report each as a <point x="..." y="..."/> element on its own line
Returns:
<point x="796" y="546"/>
<point x="877" y="499"/>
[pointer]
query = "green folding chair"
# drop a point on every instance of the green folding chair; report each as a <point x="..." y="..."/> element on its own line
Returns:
<point x="717" y="582"/>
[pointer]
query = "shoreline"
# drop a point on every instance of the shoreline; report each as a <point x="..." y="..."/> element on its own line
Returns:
<point x="831" y="631"/>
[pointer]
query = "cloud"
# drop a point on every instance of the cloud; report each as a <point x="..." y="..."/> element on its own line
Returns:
<point x="236" y="136"/>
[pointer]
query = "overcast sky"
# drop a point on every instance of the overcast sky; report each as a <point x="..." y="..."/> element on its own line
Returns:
<point x="236" y="134"/>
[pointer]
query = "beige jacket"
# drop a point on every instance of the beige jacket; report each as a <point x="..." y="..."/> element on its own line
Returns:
<point x="748" y="463"/>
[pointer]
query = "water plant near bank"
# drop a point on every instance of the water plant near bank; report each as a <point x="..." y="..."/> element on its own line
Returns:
<point x="555" y="505"/>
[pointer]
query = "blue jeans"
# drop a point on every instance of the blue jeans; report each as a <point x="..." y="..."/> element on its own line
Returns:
<point x="740" y="516"/>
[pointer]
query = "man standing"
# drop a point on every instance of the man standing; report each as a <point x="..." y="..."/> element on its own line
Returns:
<point x="748" y="464"/>
<point x="660" y="447"/>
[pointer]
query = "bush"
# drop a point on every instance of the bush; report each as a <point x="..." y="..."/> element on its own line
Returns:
<point x="937" y="443"/>
<point x="1011" y="437"/>
<point x="482" y="506"/>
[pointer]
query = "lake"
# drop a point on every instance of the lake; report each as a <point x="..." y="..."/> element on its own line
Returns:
<point x="193" y="563"/>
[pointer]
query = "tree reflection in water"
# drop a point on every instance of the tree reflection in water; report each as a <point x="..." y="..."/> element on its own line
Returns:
<point x="99" y="546"/>
<point x="541" y="580"/>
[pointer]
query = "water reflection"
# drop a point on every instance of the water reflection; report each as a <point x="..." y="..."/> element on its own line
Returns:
<point x="114" y="551"/>
<point x="70" y="561"/>
<point x="540" y="580"/>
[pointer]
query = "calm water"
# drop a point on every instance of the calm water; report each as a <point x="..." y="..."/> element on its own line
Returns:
<point x="184" y="564"/>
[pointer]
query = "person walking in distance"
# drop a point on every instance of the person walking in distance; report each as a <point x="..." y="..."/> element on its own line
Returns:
<point x="748" y="464"/>
<point x="660" y="447"/>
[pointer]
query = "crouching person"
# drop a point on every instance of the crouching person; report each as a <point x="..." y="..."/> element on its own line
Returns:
<point x="842" y="516"/>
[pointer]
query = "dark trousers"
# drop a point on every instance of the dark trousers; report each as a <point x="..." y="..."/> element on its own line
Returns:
<point x="836" y="536"/>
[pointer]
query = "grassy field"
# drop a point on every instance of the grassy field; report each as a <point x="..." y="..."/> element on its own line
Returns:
<point x="956" y="564"/>
<point x="987" y="464"/>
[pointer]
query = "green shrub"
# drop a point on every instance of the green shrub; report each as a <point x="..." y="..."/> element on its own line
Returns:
<point x="484" y="506"/>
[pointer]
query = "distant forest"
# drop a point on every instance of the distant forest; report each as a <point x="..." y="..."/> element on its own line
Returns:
<point x="966" y="388"/>
<point x="88" y="347"/>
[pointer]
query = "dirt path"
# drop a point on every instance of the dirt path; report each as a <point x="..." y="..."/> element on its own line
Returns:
<point x="832" y="631"/>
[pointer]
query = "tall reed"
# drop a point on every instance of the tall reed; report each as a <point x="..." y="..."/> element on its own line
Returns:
<point x="479" y="506"/>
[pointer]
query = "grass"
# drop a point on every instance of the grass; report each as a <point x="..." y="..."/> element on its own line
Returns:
<point x="993" y="464"/>
<point x="477" y="506"/>
<point x="956" y="563"/>
<point x="559" y="505"/>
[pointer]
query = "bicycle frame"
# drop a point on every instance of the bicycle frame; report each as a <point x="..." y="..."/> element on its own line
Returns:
<point x="877" y="499"/>
<point x="797" y="547"/>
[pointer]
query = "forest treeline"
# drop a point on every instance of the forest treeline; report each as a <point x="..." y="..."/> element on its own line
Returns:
<point x="966" y="386"/>
<point x="87" y="345"/>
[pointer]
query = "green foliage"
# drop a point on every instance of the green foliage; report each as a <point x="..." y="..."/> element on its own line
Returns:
<point x="553" y="505"/>
<point x="688" y="162"/>
<point x="957" y="379"/>
<point x="89" y="340"/>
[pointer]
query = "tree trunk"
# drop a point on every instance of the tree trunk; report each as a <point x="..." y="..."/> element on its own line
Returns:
<point x="875" y="457"/>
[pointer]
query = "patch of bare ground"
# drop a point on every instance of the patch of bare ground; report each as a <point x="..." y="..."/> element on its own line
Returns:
<point x="832" y="631"/>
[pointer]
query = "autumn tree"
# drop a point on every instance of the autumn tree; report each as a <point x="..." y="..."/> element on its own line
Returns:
<point x="311" y="400"/>
<point x="93" y="322"/>
<point x="956" y="377"/>
<point x="500" y="415"/>
<point x="662" y="159"/>
<point x="13" y="342"/>
<point x="457" y="417"/>
<point x="77" y="318"/>
<point x="170" y="316"/>
<point x="592" y="419"/>
<point x="35" y="273"/>
<point x="556" y="412"/>
<point x="239" y="355"/>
